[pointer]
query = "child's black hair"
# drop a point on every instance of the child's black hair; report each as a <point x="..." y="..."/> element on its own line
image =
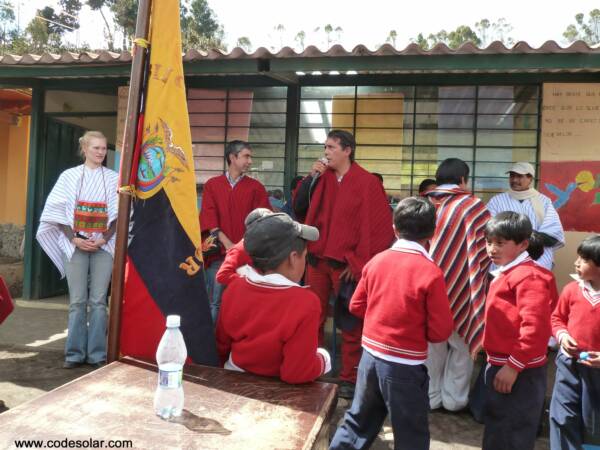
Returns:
<point x="536" y="245"/>
<point x="589" y="249"/>
<point x="425" y="184"/>
<point x="414" y="218"/>
<point x="452" y="171"/>
<point x="510" y="226"/>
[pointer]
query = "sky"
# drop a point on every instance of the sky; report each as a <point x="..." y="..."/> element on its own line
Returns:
<point x="362" y="22"/>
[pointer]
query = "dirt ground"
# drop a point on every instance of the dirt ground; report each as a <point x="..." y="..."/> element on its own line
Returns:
<point x="31" y="356"/>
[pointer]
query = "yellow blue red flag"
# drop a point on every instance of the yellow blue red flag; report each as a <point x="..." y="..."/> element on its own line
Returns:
<point x="164" y="273"/>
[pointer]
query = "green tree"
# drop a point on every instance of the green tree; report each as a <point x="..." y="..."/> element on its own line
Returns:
<point x="391" y="38"/>
<point x="482" y="28"/>
<point x="502" y="30"/>
<point x="97" y="5"/>
<point x="585" y="30"/>
<point x="244" y="42"/>
<point x="280" y="29"/>
<point x="299" y="38"/>
<point x="7" y="19"/>
<point x="200" y="27"/>
<point x="328" y="29"/>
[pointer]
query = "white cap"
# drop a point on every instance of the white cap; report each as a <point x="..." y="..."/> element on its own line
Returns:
<point x="173" y="321"/>
<point x="522" y="168"/>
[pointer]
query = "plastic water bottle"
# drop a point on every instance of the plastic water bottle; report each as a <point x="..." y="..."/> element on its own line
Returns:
<point x="170" y="357"/>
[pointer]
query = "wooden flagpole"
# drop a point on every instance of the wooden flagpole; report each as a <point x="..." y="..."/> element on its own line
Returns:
<point x="125" y="198"/>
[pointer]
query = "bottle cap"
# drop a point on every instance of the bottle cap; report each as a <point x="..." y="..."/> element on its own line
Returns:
<point x="584" y="356"/>
<point x="173" y="321"/>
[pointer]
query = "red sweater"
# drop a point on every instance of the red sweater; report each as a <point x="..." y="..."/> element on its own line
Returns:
<point x="235" y="257"/>
<point x="226" y="208"/>
<point x="517" y="317"/>
<point x="353" y="217"/>
<point x="576" y="315"/>
<point x="402" y="298"/>
<point x="270" y="330"/>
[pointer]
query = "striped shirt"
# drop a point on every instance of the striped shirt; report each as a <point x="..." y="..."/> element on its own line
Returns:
<point x="99" y="185"/>
<point x="551" y="224"/>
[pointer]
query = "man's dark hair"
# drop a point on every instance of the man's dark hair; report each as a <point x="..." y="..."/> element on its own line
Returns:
<point x="510" y="226"/>
<point x="425" y="184"/>
<point x="452" y="171"/>
<point x="264" y="264"/>
<point x="345" y="139"/>
<point x="589" y="249"/>
<point x="234" y="148"/>
<point x="414" y="218"/>
<point x="536" y="245"/>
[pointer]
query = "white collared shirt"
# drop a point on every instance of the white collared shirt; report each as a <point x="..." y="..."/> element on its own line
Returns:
<point x="233" y="182"/>
<point x="404" y="244"/>
<point x="272" y="278"/>
<point x="524" y="256"/>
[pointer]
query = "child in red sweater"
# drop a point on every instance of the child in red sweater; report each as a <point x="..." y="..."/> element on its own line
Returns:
<point x="517" y="328"/>
<point x="268" y="324"/>
<point x="402" y="298"/>
<point x="575" y="405"/>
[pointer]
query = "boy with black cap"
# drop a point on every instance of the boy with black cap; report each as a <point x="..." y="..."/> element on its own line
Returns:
<point x="268" y="324"/>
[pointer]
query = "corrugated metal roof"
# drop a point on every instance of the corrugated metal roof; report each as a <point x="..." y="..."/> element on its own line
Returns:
<point x="112" y="58"/>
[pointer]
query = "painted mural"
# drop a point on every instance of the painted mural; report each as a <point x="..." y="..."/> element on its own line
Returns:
<point x="574" y="187"/>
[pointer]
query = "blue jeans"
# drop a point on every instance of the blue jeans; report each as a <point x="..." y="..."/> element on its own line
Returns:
<point x="382" y="388"/>
<point x="575" y="405"/>
<point x="213" y="289"/>
<point x="88" y="276"/>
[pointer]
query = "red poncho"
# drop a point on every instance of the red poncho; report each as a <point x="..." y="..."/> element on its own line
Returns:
<point x="458" y="248"/>
<point x="353" y="217"/>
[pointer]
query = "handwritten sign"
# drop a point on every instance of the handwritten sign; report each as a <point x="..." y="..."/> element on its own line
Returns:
<point x="571" y="122"/>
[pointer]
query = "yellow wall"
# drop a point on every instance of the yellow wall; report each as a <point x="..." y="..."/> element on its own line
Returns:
<point x="14" y="150"/>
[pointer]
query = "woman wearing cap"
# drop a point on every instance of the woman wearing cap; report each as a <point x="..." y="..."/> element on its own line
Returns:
<point x="76" y="231"/>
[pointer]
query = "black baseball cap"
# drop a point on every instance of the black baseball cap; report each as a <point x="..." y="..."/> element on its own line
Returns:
<point x="269" y="238"/>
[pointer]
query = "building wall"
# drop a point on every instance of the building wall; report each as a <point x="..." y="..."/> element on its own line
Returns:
<point x="14" y="148"/>
<point x="570" y="164"/>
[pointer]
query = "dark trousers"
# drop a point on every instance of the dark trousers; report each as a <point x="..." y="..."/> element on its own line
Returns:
<point x="512" y="420"/>
<point x="575" y="405"/>
<point x="382" y="388"/>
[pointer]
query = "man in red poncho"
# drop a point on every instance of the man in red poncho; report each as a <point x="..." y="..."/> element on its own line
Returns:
<point x="349" y="207"/>
<point x="458" y="248"/>
<point x="227" y="199"/>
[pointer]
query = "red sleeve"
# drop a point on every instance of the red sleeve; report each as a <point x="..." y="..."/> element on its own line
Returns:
<point x="560" y="316"/>
<point x="376" y="230"/>
<point x="532" y="296"/>
<point x="301" y="362"/>
<point x="223" y="338"/>
<point x="209" y="215"/>
<point x="358" y="302"/>
<point x="261" y="198"/>
<point x="439" y="317"/>
<point x="235" y="258"/>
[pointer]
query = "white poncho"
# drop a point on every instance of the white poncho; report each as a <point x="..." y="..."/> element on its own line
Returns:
<point x="99" y="185"/>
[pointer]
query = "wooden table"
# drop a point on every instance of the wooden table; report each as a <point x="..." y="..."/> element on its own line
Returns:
<point x="223" y="410"/>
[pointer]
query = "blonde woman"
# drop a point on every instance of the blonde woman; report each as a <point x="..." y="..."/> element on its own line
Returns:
<point x="77" y="232"/>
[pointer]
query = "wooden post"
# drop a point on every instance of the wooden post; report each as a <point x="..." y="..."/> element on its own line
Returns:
<point x="129" y="136"/>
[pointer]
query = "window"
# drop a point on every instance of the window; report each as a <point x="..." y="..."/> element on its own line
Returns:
<point x="256" y="115"/>
<point x="404" y="132"/>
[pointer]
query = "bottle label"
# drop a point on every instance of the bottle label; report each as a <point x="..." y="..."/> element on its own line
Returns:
<point x="170" y="377"/>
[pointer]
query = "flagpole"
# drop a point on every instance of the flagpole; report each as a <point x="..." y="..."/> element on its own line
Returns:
<point x="131" y="123"/>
